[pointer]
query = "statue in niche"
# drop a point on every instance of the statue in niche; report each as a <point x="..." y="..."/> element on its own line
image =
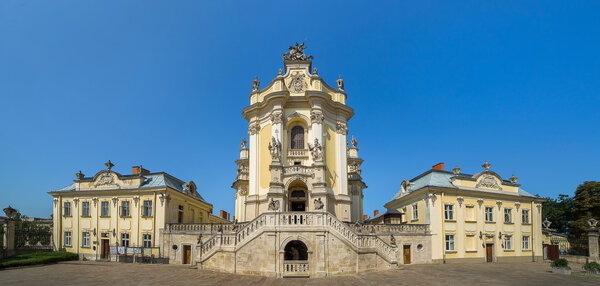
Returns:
<point x="275" y="149"/>
<point x="316" y="150"/>
<point x="319" y="204"/>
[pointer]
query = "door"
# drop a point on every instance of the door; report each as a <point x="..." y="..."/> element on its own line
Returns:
<point x="489" y="253"/>
<point x="552" y="252"/>
<point x="105" y="249"/>
<point x="187" y="254"/>
<point x="406" y="252"/>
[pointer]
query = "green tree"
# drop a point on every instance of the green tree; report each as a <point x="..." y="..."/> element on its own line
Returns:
<point x="586" y="205"/>
<point x="559" y="211"/>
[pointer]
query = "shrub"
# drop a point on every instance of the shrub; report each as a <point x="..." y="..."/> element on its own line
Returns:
<point x="37" y="258"/>
<point x="560" y="263"/>
<point x="592" y="266"/>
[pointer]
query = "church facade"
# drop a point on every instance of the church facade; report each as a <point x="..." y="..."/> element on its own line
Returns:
<point x="299" y="191"/>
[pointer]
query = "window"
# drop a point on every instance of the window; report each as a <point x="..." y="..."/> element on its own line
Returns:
<point x="508" y="242"/>
<point x="147" y="240"/>
<point x="489" y="214"/>
<point x="449" y="242"/>
<point x="525" y="216"/>
<point x="180" y="215"/>
<point x="125" y="209"/>
<point x="507" y="215"/>
<point x="85" y="239"/>
<point x="85" y="209"/>
<point x="125" y="239"/>
<point x="147" y="210"/>
<point x="67" y="209"/>
<point x="67" y="240"/>
<point x="297" y="139"/>
<point x="449" y="212"/>
<point x="415" y="212"/>
<point x="104" y="209"/>
<point x="526" y="242"/>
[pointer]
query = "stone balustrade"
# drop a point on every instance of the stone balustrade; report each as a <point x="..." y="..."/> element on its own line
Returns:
<point x="395" y="229"/>
<point x="295" y="268"/>
<point x="297" y="153"/>
<point x="297" y="170"/>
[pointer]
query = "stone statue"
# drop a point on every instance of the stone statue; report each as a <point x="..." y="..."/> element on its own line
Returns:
<point x="255" y="84"/>
<point x="243" y="144"/>
<point x="393" y="240"/>
<point x="315" y="71"/>
<point x="319" y="204"/>
<point x="316" y="150"/>
<point x="273" y="205"/>
<point x="275" y="149"/>
<point x="354" y="142"/>
<point x="296" y="53"/>
<point x="405" y="186"/>
<point x="592" y="222"/>
<point x="340" y="83"/>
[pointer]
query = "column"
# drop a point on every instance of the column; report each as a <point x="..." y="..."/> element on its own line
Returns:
<point x="253" y="129"/>
<point x="593" y="240"/>
<point x="341" y="157"/>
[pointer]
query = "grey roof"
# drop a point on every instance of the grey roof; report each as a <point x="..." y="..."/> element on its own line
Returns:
<point x="388" y="211"/>
<point x="437" y="178"/>
<point x="152" y="180"/>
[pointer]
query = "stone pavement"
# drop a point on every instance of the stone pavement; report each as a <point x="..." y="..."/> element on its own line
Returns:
<point x="112" y="274"/>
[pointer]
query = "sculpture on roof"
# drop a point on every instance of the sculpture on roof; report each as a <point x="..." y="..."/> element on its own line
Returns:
<point x="255" y="84"/>
<point x="405" y="186"/>
<point x="243" y="144"/>
<point x="340" y="83"/>
<point x="296" y="53"/>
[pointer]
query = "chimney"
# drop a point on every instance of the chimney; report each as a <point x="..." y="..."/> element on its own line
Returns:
<point x="438" y="166"/>
<point x="375" y="212"/>
<point x="223" y="214"/>
<point x="135" y="170"/>
<point x="365" y="217"/>
<point x="228" y="216"/>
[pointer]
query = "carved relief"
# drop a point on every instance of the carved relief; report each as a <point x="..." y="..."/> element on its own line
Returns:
<point x="298" y="84"/>
<point x="105" y="180"/>
<point x="253" y="128"/>
<point x="273" y="205"/>
<point x="277" y="118"/>
<point x="342" y="128"/>
<point x="319" y="204"/>
<point x="488" y="181"/>
<point x="316" y="116"/>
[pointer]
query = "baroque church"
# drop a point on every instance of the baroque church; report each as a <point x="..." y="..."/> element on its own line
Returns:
<point x="299" y="201"/>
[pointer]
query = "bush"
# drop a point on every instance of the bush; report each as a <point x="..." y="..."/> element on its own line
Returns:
<point x="35" y="258"/>
<point x="560" y="263"/>
<point x="592" y="267"/>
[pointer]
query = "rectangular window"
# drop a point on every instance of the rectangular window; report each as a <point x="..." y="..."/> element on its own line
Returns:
<point x="525" y="216"/>
<point x="180" y="215"/>
<point x="104" y="209"/>
<point x="449" y="242"/>
<point x="449" y="212"/>
<point x="415" y="212"/>
<point x="125" y="239"/>
<point x="125" y="209"/>
<point x="67" y="240"/>
<point x="147" y="210"/>
<point x="526" y="242"/>
<point x="67" y="209"/>
<point x="489" y="214"/>
<point x="85" y="209"/>
<point x="147" y="240"/>
<point x="508" y="242"/>
<point x="85" y="239"/>
<point x="507" y="215"/>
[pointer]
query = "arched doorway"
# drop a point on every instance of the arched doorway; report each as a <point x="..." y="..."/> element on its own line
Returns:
<point x="296" y="250"/>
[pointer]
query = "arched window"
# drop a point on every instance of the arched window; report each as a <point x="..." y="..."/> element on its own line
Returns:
<point x="297" y="139"/>
<point x="296" y="250"/>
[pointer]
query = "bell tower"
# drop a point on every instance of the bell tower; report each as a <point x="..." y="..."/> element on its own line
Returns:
<point x="297" y="157"/>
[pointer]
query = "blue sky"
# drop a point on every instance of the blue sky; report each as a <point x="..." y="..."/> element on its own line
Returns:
<point x="163" y="83"/>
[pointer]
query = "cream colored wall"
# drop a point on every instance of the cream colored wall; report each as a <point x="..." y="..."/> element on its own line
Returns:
<point x="330" y="157"/>
<point x="264" y="158"/>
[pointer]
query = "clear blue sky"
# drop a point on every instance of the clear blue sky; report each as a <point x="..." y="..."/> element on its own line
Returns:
<point x="163" y="83"/>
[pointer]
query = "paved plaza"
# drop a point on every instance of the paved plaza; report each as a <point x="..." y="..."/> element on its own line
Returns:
<point x="111" y="273"/>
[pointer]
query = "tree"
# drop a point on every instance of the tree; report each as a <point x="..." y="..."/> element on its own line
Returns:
<point x="586" y="205"/>
<point x="559" y="211"/>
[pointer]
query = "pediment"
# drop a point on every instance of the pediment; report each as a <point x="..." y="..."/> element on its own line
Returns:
<point x="488" y="180"/>
<point x="107" y="179"/>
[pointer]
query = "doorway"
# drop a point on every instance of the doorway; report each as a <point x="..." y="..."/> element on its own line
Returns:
<point x="489" y="252"/>
<point x="297" y="200"/>
<point x="406" y="254"/>
<point x="105" y="248"/>
<point x="187" y="254"/>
